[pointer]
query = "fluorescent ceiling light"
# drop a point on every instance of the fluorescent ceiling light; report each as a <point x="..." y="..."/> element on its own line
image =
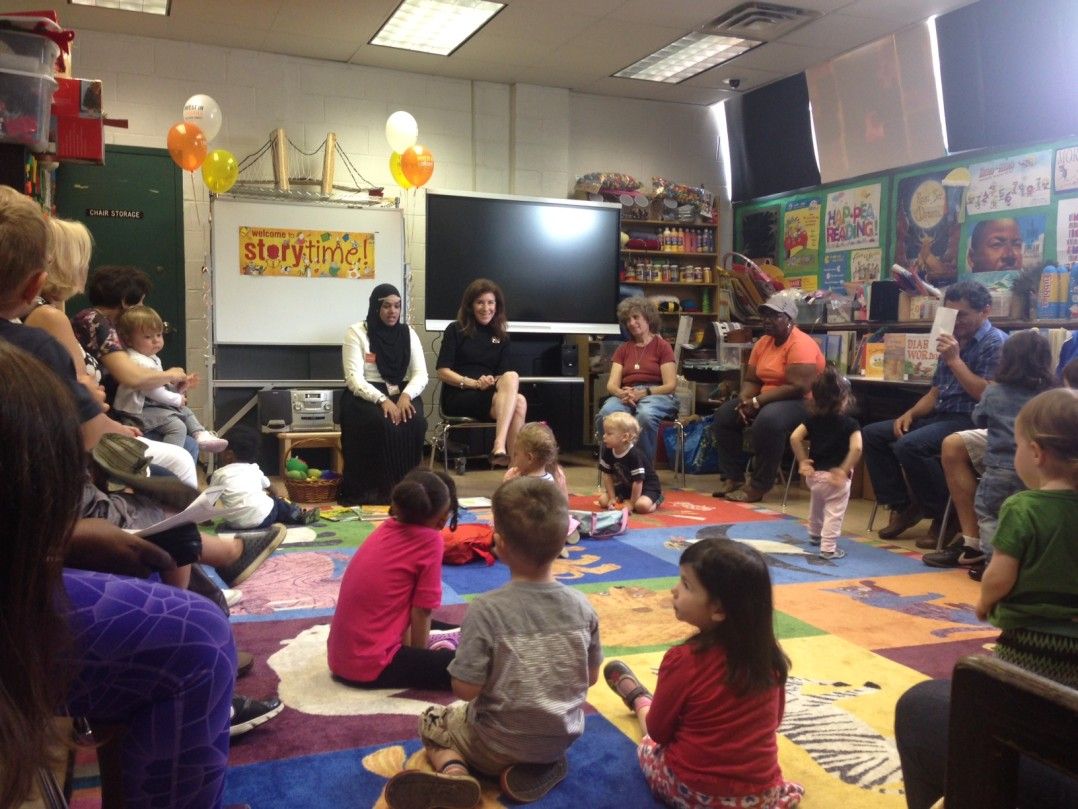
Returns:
<point x="693" y="53"/>
<point x="145" y="6"/>
<point x="435" y="26"/>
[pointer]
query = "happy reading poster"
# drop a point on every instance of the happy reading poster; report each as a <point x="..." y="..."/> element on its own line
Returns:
<point x="927" y="227"/>
<point x="853" y="218"/>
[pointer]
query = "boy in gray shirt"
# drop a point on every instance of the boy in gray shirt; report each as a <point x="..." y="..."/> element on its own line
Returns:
<point x="528" y="653"/>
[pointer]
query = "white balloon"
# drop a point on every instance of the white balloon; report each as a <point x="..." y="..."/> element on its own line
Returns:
<point x="205" y="113"/>
<point x="402" y="131"/>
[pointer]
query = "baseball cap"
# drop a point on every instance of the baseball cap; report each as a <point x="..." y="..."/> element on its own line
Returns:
<point x="783" y="303"/>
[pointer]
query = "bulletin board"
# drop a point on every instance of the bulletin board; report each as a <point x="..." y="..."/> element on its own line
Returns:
<point x="294" y="273"/>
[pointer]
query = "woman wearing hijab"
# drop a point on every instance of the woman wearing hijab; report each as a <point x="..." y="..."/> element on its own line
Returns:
<point x="382" y="422"/>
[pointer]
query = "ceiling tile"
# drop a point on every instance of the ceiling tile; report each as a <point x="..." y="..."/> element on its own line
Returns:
<point x="847" y="30"/>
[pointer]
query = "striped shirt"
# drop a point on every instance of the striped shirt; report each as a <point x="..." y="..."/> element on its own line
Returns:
<point x="531" y="645"/>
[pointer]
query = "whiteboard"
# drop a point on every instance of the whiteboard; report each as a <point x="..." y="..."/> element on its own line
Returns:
<point x="301" y="310"/>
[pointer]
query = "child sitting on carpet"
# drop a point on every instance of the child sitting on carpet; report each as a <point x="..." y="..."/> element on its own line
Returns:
<point x="827" y="467"/>
<point x="1029" y="589"/>
<point x="710" y="729"/>
<point x="528" y="652"/>
<point x="628" y="475"/>
<point x="245" y="487"/>
<point x="535" y="454"/>
<point x="163" y="413"/>
<point x="378" y="637"/>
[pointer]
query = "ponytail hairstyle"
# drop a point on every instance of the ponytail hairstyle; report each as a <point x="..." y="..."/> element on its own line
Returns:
<point x="423" y="495"/>
<point x="537" y="439"/>
<point x="735" y="576"/>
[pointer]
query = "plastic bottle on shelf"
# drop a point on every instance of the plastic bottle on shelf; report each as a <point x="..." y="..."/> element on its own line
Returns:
<point x="705" y="306"/>
<point x="690" y="241"/>
<point x="665" y="240"/>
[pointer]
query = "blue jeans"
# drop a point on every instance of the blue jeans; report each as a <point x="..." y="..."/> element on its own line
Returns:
<point x="649" y="412"/>
<point x="996" y="485"/>
<point x="917" y="453"/>
<point x="769" y="437"/>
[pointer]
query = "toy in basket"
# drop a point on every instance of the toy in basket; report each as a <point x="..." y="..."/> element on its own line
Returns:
<point x="308" y="485"/>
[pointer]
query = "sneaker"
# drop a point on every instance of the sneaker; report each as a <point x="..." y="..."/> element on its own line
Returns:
<point x="814" y="540"/>
<point x="443" y="639"/>
<point x="418" y="789"/>
<point x="977" y="571"/>
<point x="209" y="442"/>
<point x="837" y="553"/>
<point x="257" y="546"/>
<point x="244" y="662"/>
<point x="308" y="516"/>
<point x="247" y="713"/>
<point x="124" y="460"/>
<point x="232" y="597"/>
<point x="525" y="783"/>
<point x="901" y="521"/>
<point x="957" y="554"/>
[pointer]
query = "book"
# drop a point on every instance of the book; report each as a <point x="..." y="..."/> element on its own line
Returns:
<point x="340" y="514"/>
<point x="894" y="357"/>
<point x="921" y="357"/>
<point x="942" y="323"/>
<point x="474" y="502"/>
<point x="373" y="513"/>
<point x="874" y="360"/>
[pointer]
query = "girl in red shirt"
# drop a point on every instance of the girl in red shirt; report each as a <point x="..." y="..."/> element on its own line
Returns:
<point x="380" y="632"/>
<point x="709" y="730"/>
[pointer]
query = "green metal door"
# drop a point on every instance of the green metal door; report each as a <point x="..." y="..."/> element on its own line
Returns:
<point x="133" y="206"/>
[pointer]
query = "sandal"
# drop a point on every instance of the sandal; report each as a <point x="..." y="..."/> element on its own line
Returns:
<point x="745" y="495"/>
<point x="614" y="672"/>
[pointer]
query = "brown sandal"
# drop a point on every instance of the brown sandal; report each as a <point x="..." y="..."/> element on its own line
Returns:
<point x="614" y="672"/>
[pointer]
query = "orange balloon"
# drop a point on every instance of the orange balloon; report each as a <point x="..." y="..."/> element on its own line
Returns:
<point x="187" y="146"/>
<point x="417" y="163"/>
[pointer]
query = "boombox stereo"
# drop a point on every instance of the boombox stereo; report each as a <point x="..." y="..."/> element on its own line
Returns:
<point x="299" y="410"/>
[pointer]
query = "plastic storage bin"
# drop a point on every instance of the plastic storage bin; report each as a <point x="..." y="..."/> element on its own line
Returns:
<point x="27" y="52"/>
<point x="25" y="102"/>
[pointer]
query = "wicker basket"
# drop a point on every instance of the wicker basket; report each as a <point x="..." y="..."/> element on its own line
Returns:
<point x="312" y="491"/>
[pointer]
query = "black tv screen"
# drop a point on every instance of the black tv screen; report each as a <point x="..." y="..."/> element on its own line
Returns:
<point x="556" y="260"/>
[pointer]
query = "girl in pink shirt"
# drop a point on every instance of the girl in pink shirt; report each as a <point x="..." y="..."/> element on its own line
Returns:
<point x="379" y="634"/>
<point x="709" y="730"/>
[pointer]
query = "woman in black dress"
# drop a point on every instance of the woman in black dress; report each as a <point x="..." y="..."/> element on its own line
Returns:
<point x="473" y="366"/>
<point x="382" y="422"/>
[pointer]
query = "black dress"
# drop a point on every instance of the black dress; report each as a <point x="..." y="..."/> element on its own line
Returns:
<point x="473" y="356"/>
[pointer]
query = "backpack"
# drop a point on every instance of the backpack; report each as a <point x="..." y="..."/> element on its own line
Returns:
<point x="602" y="524"/>
<point x="467" y="542"/>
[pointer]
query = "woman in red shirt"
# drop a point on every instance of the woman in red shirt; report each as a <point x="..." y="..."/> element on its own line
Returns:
<point x="710" y="729"/>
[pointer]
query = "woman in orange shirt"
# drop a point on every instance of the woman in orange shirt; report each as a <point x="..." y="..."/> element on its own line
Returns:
<point x="781" y="369"/>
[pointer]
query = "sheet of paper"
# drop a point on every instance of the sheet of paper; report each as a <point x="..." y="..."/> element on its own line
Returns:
<point x="203" y="508"/>
<point x="942" y="324"/>
<point x="474" y="502"/>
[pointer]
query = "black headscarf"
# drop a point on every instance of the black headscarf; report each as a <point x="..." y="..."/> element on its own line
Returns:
<point x="392" y="345"/>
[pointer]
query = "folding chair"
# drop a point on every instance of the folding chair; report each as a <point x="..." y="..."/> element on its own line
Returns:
<point x="440" y="436"/>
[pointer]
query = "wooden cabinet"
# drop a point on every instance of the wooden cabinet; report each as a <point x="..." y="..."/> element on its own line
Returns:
<point x="684" y="268"/>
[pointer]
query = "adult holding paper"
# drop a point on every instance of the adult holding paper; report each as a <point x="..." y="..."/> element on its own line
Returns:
<point x="643" y="374"/>
<point x="902" y="455"/>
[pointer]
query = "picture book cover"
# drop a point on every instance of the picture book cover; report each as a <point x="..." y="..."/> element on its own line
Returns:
<point x="921" y="357"/>
<point x="874" y="360"/>
<point x="894" y="357"/>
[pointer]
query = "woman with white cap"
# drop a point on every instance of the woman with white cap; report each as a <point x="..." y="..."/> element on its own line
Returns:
<point x="781" y="369"/>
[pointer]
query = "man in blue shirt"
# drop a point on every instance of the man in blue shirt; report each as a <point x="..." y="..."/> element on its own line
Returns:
<point x="911" y="443"/>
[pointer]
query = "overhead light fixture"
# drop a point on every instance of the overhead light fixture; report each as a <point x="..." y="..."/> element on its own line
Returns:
<point x="160" y="7"/>
<point x="692" y="54"/>
<point x="435" y="26"/>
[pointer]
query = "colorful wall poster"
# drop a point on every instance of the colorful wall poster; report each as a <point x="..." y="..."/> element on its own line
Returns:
<point x="293" y="253"/>
<point x="853" y="218"/>
<point x="801" y="236"/>
<point x="833" y="273"/>
<point x="760" y="233"/>
<point x="1007" y="243"/>
<point x="1066" y="178"/>
<point x="927" y="227"/>
<point x="866" y="265"/>
<point x="1067" y="230"/>
<point x="806" y="283"/>
<point x="1009" y="183"/>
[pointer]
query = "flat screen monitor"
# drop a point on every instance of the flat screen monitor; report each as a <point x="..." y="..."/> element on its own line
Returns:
<point x="556" y="260"/>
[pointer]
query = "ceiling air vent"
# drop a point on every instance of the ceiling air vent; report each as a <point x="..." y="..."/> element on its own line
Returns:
<point x="759" y="21"/>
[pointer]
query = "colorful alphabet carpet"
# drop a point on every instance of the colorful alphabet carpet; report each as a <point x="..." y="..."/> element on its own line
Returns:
<point x="860" y="631"/>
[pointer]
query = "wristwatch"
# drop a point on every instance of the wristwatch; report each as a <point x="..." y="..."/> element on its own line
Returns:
<point x="755" y="402"/>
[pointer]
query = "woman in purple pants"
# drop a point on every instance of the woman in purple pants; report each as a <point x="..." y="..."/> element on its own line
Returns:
<point x="153" y="659"/>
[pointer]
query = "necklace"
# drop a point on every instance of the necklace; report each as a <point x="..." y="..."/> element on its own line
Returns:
<point x="640" y="354"/>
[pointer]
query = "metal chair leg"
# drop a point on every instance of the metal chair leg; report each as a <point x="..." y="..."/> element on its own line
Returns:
<point x="679" y="457"/>
<point x="872" y="516"/>
<point x="789" y="480"/>
<point x="943" y="524"/>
